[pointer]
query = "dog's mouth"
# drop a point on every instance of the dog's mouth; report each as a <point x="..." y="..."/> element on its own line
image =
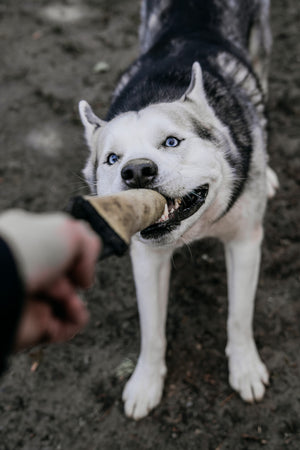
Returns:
<point x="175" y="211"/>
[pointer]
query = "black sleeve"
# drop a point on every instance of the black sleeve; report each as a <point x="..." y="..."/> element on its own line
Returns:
<point x="11" y="301"/>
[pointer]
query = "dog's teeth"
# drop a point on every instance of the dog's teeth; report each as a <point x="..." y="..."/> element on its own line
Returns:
<point x="165" y="215"/>
<point x="177" y="203"/>
<point x="170" y="205"/>
<point x="169" y="209"/>
<point x="166" y="212"/>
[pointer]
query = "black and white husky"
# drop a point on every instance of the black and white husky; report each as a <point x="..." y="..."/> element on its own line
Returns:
<point x="188" y="120"/>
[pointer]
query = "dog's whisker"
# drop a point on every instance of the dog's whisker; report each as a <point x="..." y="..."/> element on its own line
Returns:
<point x="77" y="182"/>
<point x="76" y="175"/>
<point x="77" y="190"/>
<point x="82" y="179"/>
<point x="196" y="194"/>
<point x="188" y="246"/>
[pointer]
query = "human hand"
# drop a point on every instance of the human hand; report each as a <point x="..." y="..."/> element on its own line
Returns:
<point x="56" y="255"/>
<point x="55" y="315"/>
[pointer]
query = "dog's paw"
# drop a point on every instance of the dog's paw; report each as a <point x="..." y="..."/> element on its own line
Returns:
<point x="272" y="182"/>
<point x="247" y="373"/>
<point x="144" y="390"/>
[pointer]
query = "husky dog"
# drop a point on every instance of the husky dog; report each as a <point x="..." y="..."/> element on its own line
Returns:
<point x="188" y="120"/>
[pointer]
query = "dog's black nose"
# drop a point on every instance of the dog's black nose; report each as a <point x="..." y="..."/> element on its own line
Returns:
<point x="138" y="173"/>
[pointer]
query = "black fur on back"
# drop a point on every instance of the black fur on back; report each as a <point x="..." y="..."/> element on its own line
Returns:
<point x="196" y="31"/>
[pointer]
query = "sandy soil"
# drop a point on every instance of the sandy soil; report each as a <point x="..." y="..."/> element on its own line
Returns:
<point x="69" y="396"/>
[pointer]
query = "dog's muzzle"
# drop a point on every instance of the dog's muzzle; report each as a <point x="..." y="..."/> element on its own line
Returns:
<point x="176" y="211"/>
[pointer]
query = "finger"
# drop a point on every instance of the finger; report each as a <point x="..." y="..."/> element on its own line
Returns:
<point x="40" y="323"/>
<point x="56" y="315"/>
<point x="33" y="325"/>
<point x="69" y="308"/>
<point x="82" y="271"/>
<point x="58" y="331"/>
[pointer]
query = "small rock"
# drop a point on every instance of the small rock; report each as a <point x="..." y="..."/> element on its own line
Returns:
<point x="101" y="67"/>
<point x="64" y="13"/>
<point x="125" y="368"/>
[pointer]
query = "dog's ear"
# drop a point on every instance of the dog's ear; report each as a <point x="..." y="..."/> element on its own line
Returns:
<point x="90" y="121"/>
<point x="195" y="91"/>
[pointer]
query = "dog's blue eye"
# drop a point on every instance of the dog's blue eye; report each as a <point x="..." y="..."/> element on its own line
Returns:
<point x="112" y="159"/>
<point x="171" y="142"/>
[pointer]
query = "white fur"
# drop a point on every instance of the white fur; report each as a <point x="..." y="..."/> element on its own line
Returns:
<point x="272" y="182"/>
<point x="195" y="162"/>
<point x="247" y="374"/>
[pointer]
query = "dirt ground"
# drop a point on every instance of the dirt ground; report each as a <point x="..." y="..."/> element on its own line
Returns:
<point x="69" y="396"/>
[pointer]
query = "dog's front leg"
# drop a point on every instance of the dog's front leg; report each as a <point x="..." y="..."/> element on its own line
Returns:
<point x="247" y="374"/>
<point x="151" y="269"/>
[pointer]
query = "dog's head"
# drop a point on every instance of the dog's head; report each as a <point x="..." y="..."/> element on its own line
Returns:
<point x="179" y="149"/>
